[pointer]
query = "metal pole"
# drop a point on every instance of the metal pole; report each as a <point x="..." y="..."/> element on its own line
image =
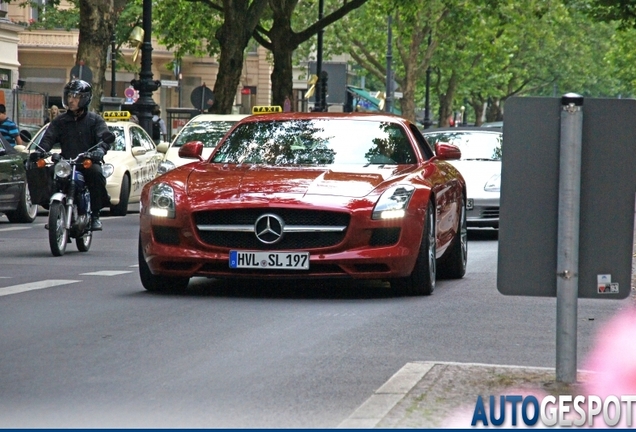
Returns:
<point x="319" y="103"/>
<point x="145" y="84"/>
<point x="568" y="236"/>
<point x="388" y="100"/>
<point x="113" y="73"/>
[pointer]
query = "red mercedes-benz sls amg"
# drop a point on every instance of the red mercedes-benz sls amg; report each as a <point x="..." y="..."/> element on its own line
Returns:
<point x="308" y="195"/>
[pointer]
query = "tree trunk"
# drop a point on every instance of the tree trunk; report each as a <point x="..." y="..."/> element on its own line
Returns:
<point x="97" y="24"/>
<point x="446" y="101"/>
<point x="282" y="47"/>
<point x="240" y="18"/>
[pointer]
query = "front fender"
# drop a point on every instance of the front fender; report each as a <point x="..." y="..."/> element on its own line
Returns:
<point x="58" y="196"/>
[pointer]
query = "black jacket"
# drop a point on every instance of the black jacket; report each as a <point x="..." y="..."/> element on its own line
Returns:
<point x="75" y="134"/>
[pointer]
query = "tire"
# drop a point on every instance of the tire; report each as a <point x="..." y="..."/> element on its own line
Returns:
<point x="422" y="279"/>
<point x="121" y="209"/>
<point x="26" y="211"/>
<point x="84" y="242"/>
<point x="58" y="235"/>
<point x="453" y="264"/>
<point x="157" y="283"/>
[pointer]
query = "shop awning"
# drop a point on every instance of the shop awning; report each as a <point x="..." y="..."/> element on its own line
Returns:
<point x="366" y="101"/>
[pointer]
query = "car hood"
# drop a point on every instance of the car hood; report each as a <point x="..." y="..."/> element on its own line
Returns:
<point x="207" y="180"/>
<point x="477" y="173"/>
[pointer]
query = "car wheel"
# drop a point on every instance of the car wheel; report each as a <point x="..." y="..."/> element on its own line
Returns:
<point x="121" y="209"/>
<point x="453" y="264"/>
<point x="156" y="283"/>
<point x="26" y="211"/>
<point x="422" y="278"/>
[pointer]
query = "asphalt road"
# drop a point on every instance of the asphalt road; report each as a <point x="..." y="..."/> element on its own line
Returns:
<point x="84" y="345"/>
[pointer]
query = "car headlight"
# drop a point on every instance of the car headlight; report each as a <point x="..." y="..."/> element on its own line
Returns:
<point x="165" y="166"/>
<point x="393" y="202"/>
<point x="108" y="170"/>
<point x="162" y="201"/>
<point x="493" y="184"/>
<point x="62" y="169"/>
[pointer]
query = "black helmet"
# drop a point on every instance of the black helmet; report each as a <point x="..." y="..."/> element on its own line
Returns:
<point x="78" y="88"/>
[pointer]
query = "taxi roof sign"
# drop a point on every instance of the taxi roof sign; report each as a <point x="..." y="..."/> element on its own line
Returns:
<point x="266" y="109"/>
<point x="116" y="115"/>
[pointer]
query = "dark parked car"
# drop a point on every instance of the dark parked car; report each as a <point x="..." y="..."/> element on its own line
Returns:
<point x="15" y="199"/>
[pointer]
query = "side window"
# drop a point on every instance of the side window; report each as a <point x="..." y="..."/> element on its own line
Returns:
<point x="427" y="149"/>
<point x="141" y="139"/>
<point x="120" y="139"/>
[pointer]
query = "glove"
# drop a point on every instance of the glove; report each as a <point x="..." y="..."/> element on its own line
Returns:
<point x="35" y="156"/>
<point x="97" y="155"/>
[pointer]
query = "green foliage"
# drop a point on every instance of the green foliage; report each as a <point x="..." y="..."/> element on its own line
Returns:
<point x="51" y="17"/>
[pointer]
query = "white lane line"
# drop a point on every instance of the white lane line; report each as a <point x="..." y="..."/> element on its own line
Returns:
<point x="134" y="265"/>
<point x="6" y="277"/>
<point x="106" y="273"/>
<point x="15" y="228"/>
<point x="15" y="289"/>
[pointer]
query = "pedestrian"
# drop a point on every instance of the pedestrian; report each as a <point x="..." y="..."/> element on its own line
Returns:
<point x="77" y="131"/>
<point x="8" y="128"/>
<point x="54" y="111"/>
<point x="159" y="132"/>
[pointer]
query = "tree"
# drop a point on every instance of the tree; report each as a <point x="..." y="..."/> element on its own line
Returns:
<point x="96" y="23"/>
<point x="282" y="40"/>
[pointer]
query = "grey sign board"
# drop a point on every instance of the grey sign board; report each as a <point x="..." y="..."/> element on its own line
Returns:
<point x="336" y="80"/>
<point x="527" y="255"/>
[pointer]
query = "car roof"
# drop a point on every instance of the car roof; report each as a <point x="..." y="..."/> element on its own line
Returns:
<point x="218" y="117"/>
<point x="328" y="115"/>
<point x="464" y="129"/>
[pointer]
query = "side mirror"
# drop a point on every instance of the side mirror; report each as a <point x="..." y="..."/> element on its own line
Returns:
<point x="447" y="151"/>
<point x="192" y="150"/>
<point x="162" y="147"/>
<point x="20" y="148"/>
<point x="138" y="151"/>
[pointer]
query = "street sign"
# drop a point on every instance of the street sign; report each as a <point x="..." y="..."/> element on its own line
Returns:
<point x="169" y="83"/>
<point x="528" y="226"/>
<point x="202" y="98"/>
<point x="83" y="72"/>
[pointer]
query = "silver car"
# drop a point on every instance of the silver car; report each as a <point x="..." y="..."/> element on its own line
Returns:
<point x="481" y="167"/>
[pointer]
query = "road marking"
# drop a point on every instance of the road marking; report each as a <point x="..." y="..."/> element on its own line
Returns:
<point x="106" y="273"/>
<point x="15" y="289"/>
<point x="134" y="265"/>
<point x="15" y="228"/>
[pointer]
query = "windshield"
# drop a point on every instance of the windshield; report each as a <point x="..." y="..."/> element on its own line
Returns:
<point x="317" y="142"/>
<point x="118" y="145"/>
<point x="208" y="132"/>
<point x="474" y="145"/>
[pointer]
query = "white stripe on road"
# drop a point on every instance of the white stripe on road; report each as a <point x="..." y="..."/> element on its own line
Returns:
<point x="15" y="289"/>
<point x="18" y="228"/>
<point x="106" y="273"/>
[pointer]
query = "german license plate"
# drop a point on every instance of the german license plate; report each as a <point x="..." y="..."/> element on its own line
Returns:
<point x="269" y="260"/>
<point x="470" y="204"/>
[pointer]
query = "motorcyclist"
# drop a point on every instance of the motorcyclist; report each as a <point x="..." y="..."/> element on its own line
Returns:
<point x="77" y="131"/>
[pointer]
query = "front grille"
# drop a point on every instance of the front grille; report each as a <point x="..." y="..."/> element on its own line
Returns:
<point x="166" y="235"/>
<point x="246" y="239"/>
<point x="384" y="236"/>
<point x="490" y="212"/>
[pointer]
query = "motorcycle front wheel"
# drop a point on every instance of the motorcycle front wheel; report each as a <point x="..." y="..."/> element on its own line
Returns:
<point x="58" y="235"/>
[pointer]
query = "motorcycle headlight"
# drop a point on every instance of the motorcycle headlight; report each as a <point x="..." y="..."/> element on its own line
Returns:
<point x="493" y="184"/>
<point x="165" y="166"/>
<point x="108" y="170"/>
<point x="393" y="202"/>
<point x="162" y="201"/>
<point x="62" y="169"/>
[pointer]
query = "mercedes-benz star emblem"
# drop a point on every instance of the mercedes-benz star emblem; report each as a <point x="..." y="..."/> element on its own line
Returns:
<point x="269" y="228"/>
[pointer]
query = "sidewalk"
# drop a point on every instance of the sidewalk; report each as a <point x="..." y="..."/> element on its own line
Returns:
<point x="443" y="394"/>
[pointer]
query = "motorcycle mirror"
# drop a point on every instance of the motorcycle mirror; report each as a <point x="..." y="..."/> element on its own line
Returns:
<point x="108" y="137"/>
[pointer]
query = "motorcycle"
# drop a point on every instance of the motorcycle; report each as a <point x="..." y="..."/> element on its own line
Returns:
<point x="69" y="204"/>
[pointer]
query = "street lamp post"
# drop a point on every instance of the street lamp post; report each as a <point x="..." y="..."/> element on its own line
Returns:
<point x="145" y="84"/>
<point x="320" y="104"/>
<point x="388" y="98"/>
<point x="113" y="73"/>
